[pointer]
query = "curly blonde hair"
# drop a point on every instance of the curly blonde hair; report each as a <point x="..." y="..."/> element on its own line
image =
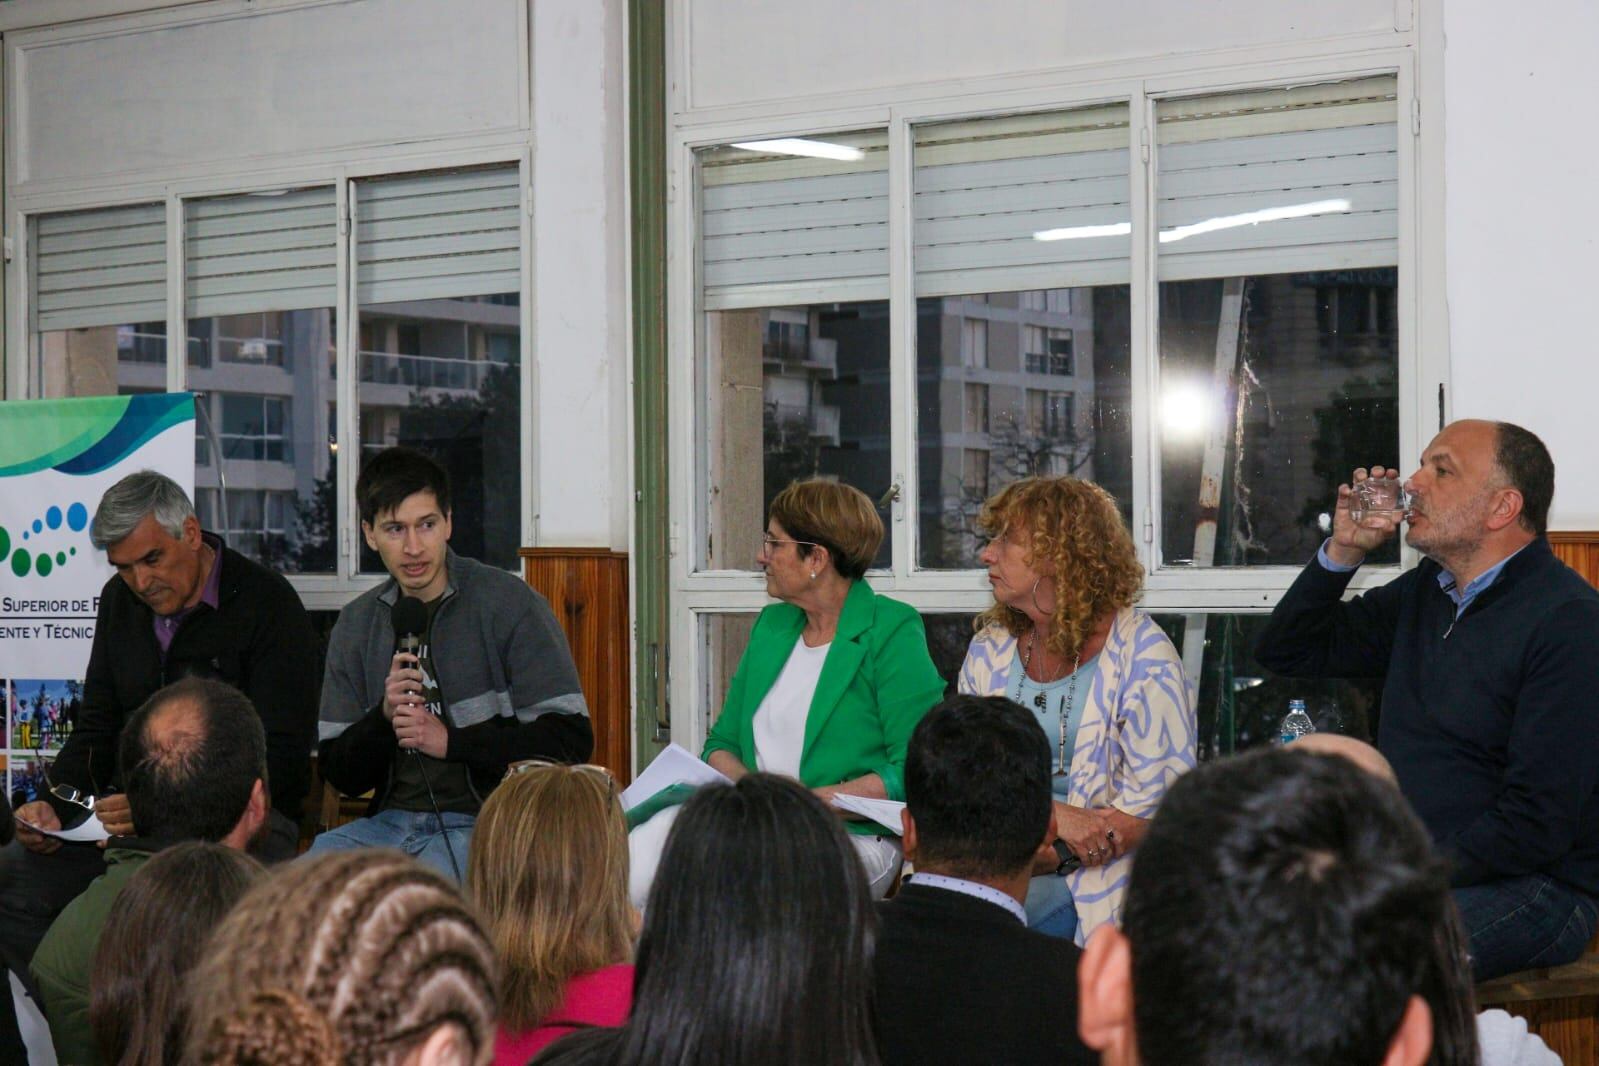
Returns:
<point x="1077" y="526"/>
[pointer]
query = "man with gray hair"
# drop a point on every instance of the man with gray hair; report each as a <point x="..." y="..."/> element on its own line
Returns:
<point x="182" y="604"/>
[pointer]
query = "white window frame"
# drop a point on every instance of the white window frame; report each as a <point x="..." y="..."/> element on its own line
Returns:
<point x="1422" y="373"/>
<point x="205" y="179"/>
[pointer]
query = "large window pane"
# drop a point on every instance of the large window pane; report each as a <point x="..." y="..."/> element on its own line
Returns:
<point x="1052" y="396"/>
<point x="438" y="280"/>
<point x="1022" y="237"/>
<point x="261" y="286"/>
<point x="98" y="301"/>
<point x="431" y="379"/>
<point x="723" y="638"/>
<point x="797" y="392"/>
<point x="798" y="387"/>
<point x="1241" y="704"/>
<point x="1277" y="212"/>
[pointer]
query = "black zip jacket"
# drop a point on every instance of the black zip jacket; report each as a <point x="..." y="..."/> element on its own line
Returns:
<point x="259" y="639"/>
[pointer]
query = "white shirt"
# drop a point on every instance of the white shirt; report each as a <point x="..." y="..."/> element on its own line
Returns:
<point x="971" y="888"/>
<point x="780" y="719"/>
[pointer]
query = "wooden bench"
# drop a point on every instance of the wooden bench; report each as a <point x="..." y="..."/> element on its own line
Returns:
<point x="1559" y="1003"/>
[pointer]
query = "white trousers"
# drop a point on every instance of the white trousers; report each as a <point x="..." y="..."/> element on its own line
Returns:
<point x="881" y="857"/>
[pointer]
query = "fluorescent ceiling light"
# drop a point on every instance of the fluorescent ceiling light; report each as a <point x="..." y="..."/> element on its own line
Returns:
<point x="801" y="146"/>
<point x="1252" y="218"/>
<point x="1077" y="233"/>
<point x="1210" y="225"/>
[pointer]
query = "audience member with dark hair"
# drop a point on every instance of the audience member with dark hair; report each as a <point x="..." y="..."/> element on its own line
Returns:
<point x="193" y="761"/>
<point x="960" y="978"/>
<point x="1505" y="1039"/>
<point x="358" y="958"/>
<point x="153" y="937"/>
<point x="1285" y="907"/>
<point x="548" y="875"/>
<point x="757" y="941"/>
<point x="430" y="744"/>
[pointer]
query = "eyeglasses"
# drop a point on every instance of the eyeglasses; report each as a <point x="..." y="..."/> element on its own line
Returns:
<point x="65" y="793"/>
<point x="589" y="769"/>
<point x="769" y="543"/>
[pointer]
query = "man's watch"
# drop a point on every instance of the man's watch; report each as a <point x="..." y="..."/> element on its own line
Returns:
<point x="1068" y="859"/>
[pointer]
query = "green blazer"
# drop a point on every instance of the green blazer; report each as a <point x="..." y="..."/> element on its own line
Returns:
<point x="876" y="683"/>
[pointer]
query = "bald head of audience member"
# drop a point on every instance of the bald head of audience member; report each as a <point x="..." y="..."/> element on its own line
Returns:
<point x="193" y="764"/>
<point x="1358" y="752"/>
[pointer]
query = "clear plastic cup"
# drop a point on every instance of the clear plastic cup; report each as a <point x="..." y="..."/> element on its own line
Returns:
<point x="1378" y="497"/>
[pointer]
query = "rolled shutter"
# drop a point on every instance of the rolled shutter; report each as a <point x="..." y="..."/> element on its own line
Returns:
<point x="100" y="268"/>
<point x="261" y="253"/>
<point x="783" y="229"/>
<point x="987" y="188"/>
<point x="1234" y="170"/>
<point x="438" y="235"/>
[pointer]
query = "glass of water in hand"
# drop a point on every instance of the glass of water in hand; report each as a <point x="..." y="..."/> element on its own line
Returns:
<point x="1378" y="497"/>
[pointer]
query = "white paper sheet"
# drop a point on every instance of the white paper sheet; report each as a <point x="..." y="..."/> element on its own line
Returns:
<point x="674" y="766"/>
<point x="90" y="830"/>
<point x="884" y="812"/>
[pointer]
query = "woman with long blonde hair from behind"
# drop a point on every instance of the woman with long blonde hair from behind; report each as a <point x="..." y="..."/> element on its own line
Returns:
<point x="548" y="875"/>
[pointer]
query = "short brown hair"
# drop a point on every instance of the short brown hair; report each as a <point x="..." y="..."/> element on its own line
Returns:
<point x="352" y="957"/>
<point x="1524" y="462"/>
<point x="1077" y="526"/>
<point x="839" y="517"/>
<point x="548" y="875"/>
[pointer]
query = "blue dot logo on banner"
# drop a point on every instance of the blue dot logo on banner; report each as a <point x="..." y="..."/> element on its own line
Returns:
<point x="56" y="525"/>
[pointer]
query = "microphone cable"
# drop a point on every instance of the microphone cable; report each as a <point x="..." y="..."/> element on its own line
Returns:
<point x="410" y="621"/>
<point x="438" y="816"/>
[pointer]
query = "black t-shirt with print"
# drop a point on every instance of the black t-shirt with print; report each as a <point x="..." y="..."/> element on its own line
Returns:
<point x="451" y="786"/>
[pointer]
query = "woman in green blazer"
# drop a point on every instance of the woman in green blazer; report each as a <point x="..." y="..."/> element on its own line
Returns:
<point x="834" y="679"/>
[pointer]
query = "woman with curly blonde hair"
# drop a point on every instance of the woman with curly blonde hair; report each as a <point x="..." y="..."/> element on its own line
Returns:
<point x="1102" y="679"/>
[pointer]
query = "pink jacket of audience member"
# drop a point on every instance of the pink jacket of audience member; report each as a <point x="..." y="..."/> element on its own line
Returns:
<point x="600" y="999"/>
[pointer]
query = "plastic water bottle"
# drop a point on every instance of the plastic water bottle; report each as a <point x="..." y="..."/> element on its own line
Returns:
<point x="1296" y="723"/>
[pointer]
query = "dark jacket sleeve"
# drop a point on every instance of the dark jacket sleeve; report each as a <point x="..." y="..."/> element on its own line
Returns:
<point x="357" y="760"/>
<point x="550" y="719"/>
<point x="284" y="665"/>
<point x="88" y="759"/>
<point x="1552" y="758"/>
<point x="1313" y="632"/>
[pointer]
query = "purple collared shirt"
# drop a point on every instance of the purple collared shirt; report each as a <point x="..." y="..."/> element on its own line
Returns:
<point x="166" y="626"/>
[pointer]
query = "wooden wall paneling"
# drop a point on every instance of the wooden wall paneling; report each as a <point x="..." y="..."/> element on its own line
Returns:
<point x="1578" y="550"/>
<point x="587" y="589"/>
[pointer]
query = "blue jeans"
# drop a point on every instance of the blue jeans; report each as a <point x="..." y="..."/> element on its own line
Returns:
<point x="1524" y="922"/>
<point x="414" y="832"/>
<point x="1050" y="907"/>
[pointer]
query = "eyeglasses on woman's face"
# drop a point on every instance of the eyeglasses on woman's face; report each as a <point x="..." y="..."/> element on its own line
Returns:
<point x="770" y="544"/>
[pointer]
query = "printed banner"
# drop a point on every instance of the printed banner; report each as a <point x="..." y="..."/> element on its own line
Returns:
<point x="57" y="457"/>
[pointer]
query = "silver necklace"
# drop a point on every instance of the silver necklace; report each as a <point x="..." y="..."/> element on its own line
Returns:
<point x="1041" y="701"/>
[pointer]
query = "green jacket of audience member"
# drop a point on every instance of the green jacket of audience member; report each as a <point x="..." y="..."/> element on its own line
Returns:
<point x="876" y="683"/>
<point x="65" y="957"/>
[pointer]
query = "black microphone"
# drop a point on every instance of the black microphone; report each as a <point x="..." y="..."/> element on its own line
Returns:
<point x="410" y="619"/>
